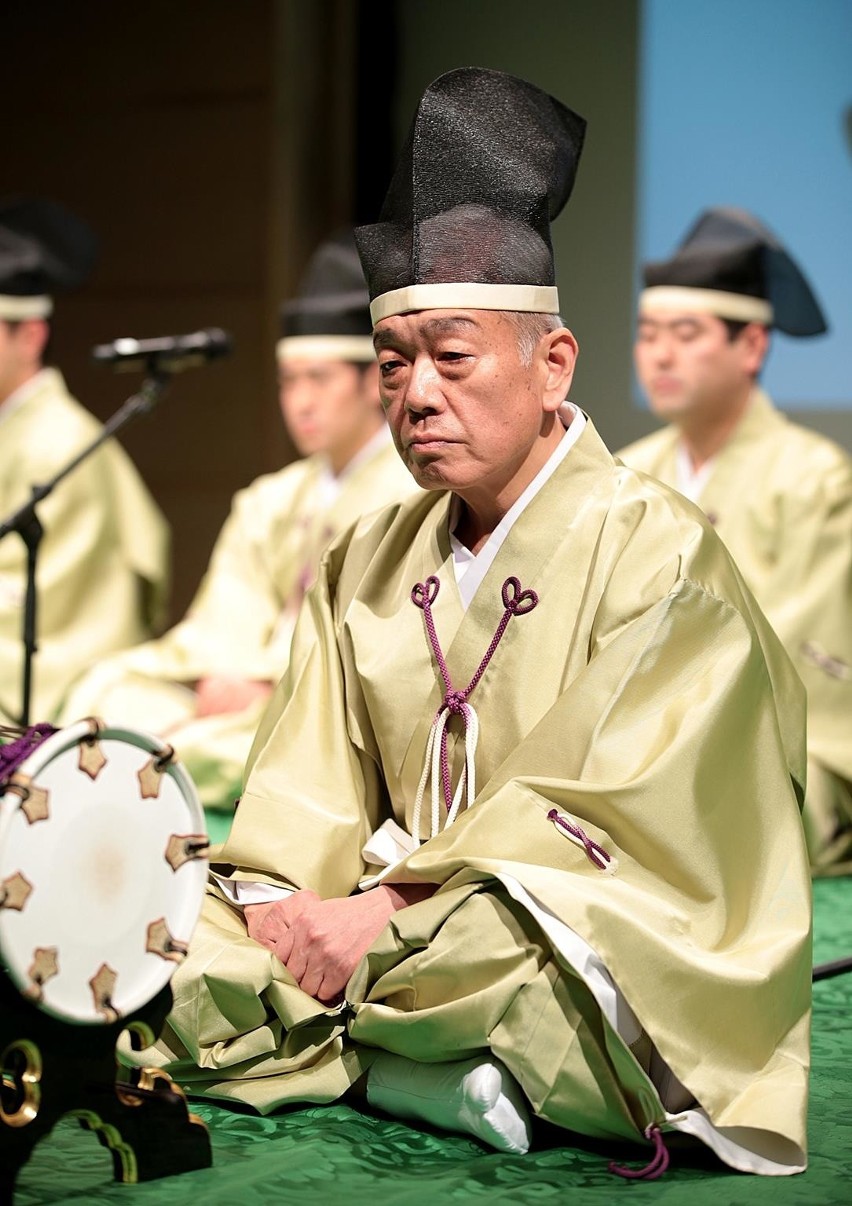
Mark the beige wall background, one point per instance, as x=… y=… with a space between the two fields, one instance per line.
x=212 y=144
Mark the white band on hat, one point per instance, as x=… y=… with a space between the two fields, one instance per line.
x=16 y=309
x=466 y=295
x=737 y=306
x=326 y=347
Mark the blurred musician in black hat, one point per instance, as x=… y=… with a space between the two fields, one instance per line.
x=778 y=494
x=205 y=683
x=103 y=561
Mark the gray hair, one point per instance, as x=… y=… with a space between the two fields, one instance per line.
x=529 y=329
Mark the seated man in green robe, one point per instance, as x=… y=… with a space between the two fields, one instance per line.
x=779 y=495
x=103 y=562
x=520 y=834
x=204 y=684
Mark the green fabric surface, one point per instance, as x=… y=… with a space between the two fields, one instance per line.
x=320 y=1154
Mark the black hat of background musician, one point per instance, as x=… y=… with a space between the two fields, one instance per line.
x=330 y=316
x=44 y=249
x=489 y=162
x=732 y=266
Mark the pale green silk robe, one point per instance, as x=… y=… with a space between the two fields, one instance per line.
x=780 y=497
x=103 y=560
x=241 y=621
x=646 y=698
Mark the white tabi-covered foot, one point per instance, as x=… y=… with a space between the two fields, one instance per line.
x=476 y=1096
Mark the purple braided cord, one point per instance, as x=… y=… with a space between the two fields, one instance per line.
x=19 y=749
x=657 y=1165
x=596 y=853
x=516 y=602
x=423 y=595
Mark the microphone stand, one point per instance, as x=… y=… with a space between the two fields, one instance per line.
x=837 y=967
x=26 y=523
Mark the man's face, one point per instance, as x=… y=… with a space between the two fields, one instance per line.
x=14 y=360
x=463 y=409
x=689 y=367
x=329 y=406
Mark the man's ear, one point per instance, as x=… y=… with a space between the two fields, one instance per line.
x=33 y=334
x=557 y=352
x=754 y=340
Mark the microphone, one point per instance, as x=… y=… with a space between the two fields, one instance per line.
x=168 y=353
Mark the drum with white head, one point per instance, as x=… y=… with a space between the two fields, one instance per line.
x=102 y=871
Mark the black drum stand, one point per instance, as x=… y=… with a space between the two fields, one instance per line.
x=53 y=1069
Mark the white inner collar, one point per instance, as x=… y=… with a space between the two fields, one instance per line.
x=331 y=485
x=23 y=393
x=691 y=481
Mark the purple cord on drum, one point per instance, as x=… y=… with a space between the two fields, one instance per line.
x=20 y=748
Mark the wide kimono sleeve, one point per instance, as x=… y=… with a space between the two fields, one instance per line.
x=312 y=794
x=229 y=625
x=807 y=598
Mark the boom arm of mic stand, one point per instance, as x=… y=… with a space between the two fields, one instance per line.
x=26 y=523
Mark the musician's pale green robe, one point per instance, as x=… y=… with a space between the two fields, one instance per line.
x=646 y=698
x=103 y=560
x=240 y=623
x=780 y=497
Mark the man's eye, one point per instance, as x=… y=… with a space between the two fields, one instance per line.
x=389 y=366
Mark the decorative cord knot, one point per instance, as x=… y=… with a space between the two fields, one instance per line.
x=656 y=1166
x=601 y=858
x=424 y=594
x=455 y=702
x=516 y=602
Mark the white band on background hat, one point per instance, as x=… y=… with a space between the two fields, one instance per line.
x=16 y=309
x=470 y=295
x=736 y=306
x=326 y=347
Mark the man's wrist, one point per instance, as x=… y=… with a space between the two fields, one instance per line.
x=403 y=895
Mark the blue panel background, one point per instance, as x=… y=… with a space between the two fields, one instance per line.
x=744 y=102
